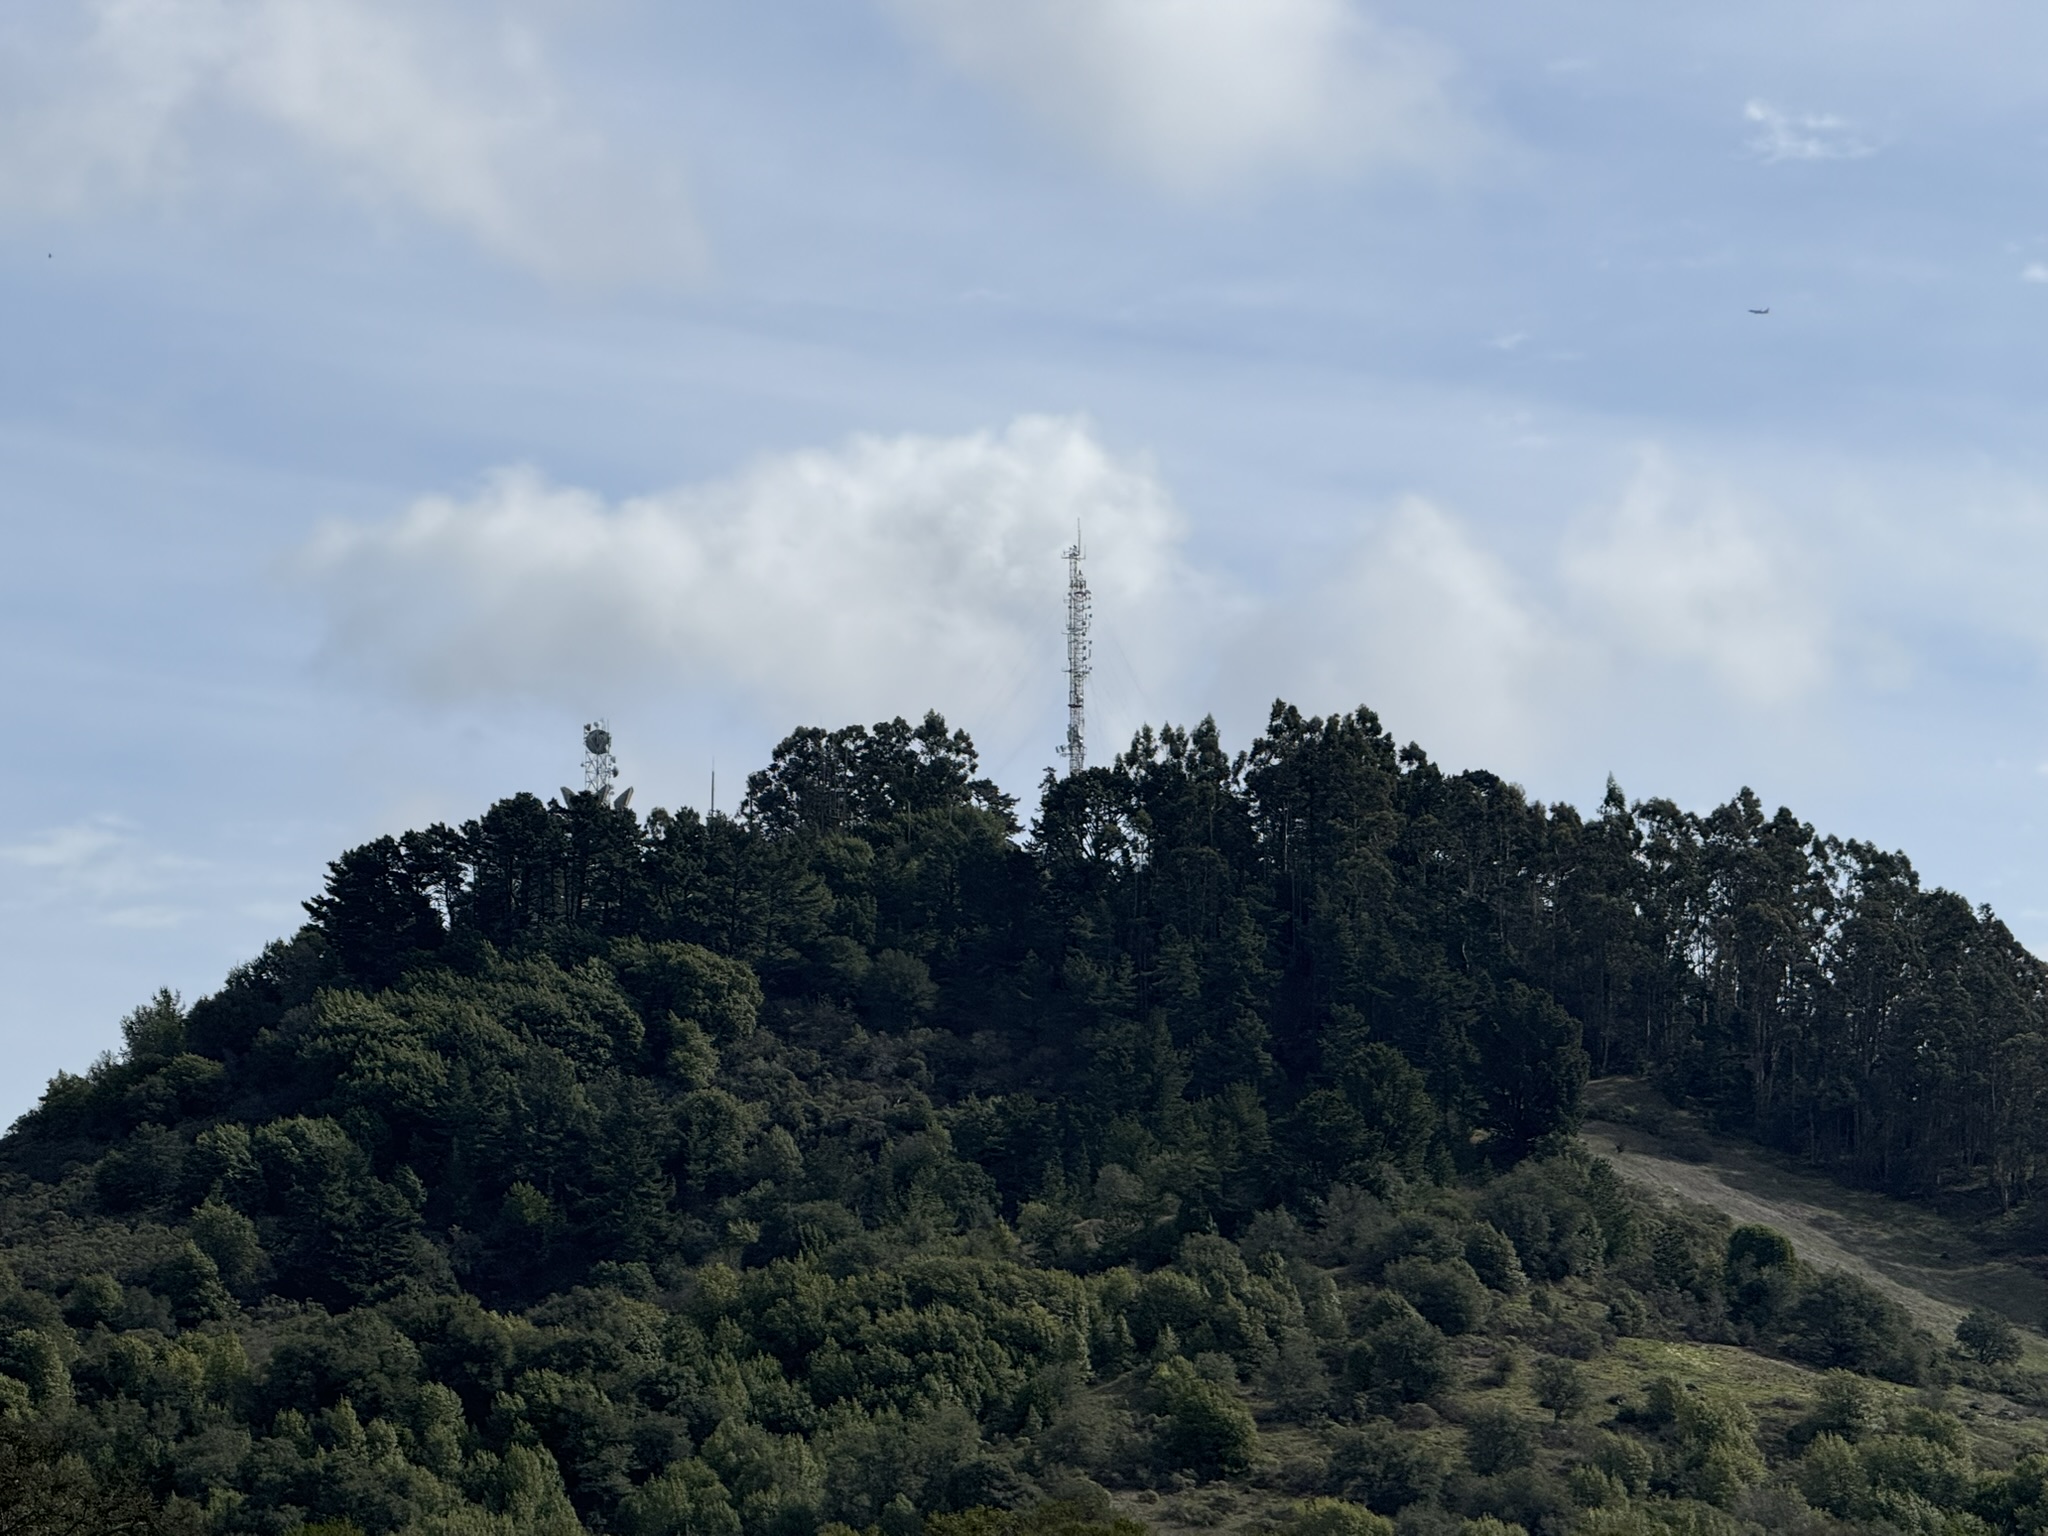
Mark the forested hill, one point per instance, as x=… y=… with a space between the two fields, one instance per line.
x=827 y=1160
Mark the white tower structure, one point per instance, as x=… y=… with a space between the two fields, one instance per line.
x=600 y=768
x=1079 y=653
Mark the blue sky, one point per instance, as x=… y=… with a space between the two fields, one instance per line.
x=389 y=388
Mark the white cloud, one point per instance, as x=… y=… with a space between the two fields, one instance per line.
x=2034 y=272
x=890 y=574
x=1804 y=135
x=410 y=105
x=881 y=577
x=1429 y=628
x=1697 y=584
x=1672 y=593
x=1198 y=95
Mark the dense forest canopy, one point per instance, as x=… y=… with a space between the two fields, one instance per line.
x=867 y=1156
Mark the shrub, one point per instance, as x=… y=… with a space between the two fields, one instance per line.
x=1206 y=1428
x=1561 y=1386
x=1055 y=1517
x=1447 y=1293
x=1526 y=1498
x=2012 y=1501
x=1295 y=1379
x=93 y=1298
x=1627 y=1313
x=1842 y=1405
x=1760 y=1275
x=1831 y=1475
x=1839 y=1320
x=1498 y=1441
x=1334 y=1517
x=1909 y=1464
x=1987 y=1337
x=228 y=1238
x=692 y=983
x=1493 y=1260
x=1401 y=1359
x=1592 y=1488
x=190 y=1282
x=1381 y=1467
x=1715 y=1442
x=1551 y=1224
x=1627 y=1461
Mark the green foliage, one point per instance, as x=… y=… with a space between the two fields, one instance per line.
x=1561 y=1386
x=1054 y=1517
x=1399 y=1357
x=690 y=984
x=1761 y=1275
x=1831 y=1475
x=229 y=1239
x=1544 y=1211
x=1988 y=1338
x=1711 y=1437
x=1384 y=1469
x=1334 y=1517
x=1493 y=1258
x=1206 y=1427
x=46 y=1489
x=868 y=1162
x=1497 y=1440
x=1840 y=1320
x=1843 y=1406
x=1447 y=1294
x=687 y=1500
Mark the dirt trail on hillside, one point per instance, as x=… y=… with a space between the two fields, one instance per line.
x=1929 y=1264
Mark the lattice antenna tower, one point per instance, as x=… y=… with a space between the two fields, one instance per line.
x=1080 y=651
x=600 y=768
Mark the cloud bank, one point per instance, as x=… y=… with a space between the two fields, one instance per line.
x=890 y=574
x=422 y=107
x=879 y=577
x=1681 y=573
x=1200 y=95
x=1427 y=626
x=1670 y=593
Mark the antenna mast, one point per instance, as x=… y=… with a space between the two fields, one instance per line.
x=1079 y=653
x=600 y=768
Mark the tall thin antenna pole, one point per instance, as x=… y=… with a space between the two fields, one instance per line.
x=1079 y=653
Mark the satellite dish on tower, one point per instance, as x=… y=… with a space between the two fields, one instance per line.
x=597 y=741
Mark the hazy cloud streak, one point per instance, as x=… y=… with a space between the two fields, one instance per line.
x=1785 y=135
x=1201 y=95
x=102 y=866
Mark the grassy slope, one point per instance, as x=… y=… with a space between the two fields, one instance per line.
x=1931 y=1265
x=1928 y=1263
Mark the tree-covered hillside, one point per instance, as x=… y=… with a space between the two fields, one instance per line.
x=867 y=1157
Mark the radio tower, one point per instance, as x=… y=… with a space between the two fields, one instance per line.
x=1079 y=653
x=600 y=768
